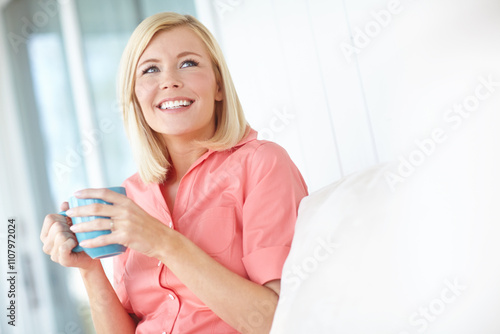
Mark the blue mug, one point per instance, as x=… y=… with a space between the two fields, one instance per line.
x=97 y=252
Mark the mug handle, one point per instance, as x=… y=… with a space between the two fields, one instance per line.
x=77 y=248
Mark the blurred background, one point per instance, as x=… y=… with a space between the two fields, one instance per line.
x=342 y=85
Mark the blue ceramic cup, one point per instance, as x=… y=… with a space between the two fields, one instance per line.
x=97 y=252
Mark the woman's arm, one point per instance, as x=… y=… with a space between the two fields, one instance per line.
x=246 y=306
x=108 y=313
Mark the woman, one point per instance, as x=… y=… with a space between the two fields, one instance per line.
x=208 y=219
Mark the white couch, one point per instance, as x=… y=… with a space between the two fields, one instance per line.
x=420 y=258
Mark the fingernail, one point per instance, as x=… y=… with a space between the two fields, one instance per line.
x=69 y=212
x=74 y=228
x=77 y=193
x=84 y=243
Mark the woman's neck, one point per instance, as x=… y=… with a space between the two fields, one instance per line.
x=182 y=154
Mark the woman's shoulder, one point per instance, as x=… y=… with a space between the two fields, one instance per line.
x=268 y=161
x=262 y=156
x=264 y=149
x=133 y=179
x=259 y=148
x=135 y=183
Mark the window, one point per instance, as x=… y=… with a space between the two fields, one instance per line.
x=64 y=58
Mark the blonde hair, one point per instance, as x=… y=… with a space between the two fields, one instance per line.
x=149 y=150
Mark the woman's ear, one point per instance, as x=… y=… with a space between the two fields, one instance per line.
x=219 y=95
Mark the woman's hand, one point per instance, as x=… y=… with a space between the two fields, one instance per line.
x=130 y=225
x=58 y=241
x=108 y=313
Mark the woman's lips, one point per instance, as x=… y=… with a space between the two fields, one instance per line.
x=175 y=105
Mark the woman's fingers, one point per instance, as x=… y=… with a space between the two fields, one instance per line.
x=98 y=224
x=64 y=206
x=49 y=239
x=53 y=236
x=59 y=239
x=102 y=240
x=68 y=244
x=59 y=245
x=51 y=219
x=95 y=209
x=65 y=257
x=48 y=222
x=101 y=193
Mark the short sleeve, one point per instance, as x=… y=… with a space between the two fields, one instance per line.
x=118 y=284
x=274 y=189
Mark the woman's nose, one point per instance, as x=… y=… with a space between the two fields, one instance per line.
x=169 y=79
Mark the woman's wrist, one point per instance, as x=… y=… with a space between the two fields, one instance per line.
x=91 y=269
x=169 y=246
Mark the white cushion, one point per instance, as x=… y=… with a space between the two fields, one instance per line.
x=422 y=256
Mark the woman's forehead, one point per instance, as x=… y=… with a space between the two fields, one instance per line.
x=174 y=41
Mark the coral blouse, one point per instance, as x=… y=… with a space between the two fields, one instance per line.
x=239 y=206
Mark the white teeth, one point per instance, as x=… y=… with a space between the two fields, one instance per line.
x=175 y=104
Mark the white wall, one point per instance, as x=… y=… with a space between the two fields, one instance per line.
x=350 y=111
x=284 y=59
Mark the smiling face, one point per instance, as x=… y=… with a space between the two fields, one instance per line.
x=175 y=86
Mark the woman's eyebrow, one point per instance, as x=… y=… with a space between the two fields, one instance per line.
x=180 y=55
x=150 y=60
x=187 y=53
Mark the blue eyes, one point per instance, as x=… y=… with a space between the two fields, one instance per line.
x=189 y=63
x=184 y=64
x=151 y=69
